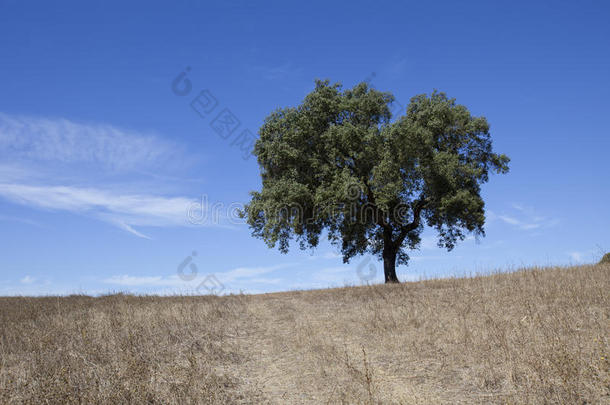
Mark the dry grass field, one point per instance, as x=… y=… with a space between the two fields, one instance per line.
x=533 y=336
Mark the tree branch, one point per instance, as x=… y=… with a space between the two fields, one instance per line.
x=418 y=207
x=380 y=219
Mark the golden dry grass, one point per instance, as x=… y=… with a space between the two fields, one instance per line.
x=533 y=336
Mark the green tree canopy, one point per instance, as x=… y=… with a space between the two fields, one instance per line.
x=337 y=162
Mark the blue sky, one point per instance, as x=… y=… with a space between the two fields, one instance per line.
x=101 y=161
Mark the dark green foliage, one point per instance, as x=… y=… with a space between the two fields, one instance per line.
x=605 y=259
x=337 y=162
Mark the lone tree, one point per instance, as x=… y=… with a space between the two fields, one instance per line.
x=337 y=163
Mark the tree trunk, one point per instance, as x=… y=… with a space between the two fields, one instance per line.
x=389 y=264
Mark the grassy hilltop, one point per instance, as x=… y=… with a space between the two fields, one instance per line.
x=533 y=336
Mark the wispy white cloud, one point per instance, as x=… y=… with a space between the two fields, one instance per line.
x=61 y=140
x=263 y=280
x=235 y=280
x=57 y=164
x=576 y=256
x=143 y=281
x=126 y=227
x=428 y=243
x=518 y=223
x=18 y=219
x=583 y=256
x=34 y=286
x=245 y=273
x=121 y=209
x=324 y=277
x=278 y=72
x=14 y=172
x=524 y=218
